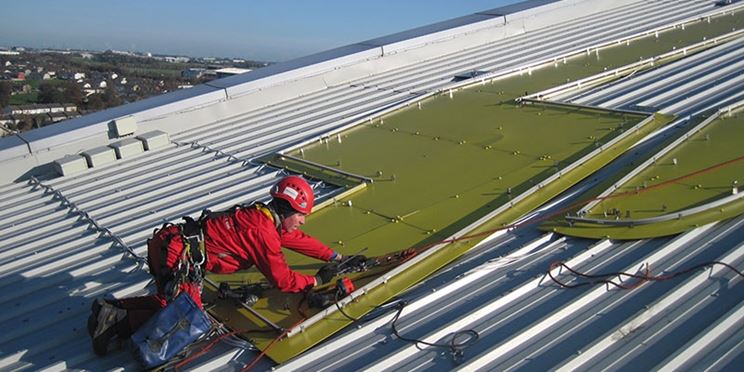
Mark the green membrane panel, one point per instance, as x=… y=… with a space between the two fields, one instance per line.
x=641 y=198
x=438 y=169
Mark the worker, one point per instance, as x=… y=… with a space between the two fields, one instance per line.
x=233 y=240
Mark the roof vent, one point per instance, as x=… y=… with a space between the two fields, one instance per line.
x=70 y=164
x=127 y=147
x=99 y=156
x=154 y=139
x=124 y=126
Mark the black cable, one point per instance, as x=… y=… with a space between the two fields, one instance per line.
x=456 y=348
x=602 y=278
x=353 y=319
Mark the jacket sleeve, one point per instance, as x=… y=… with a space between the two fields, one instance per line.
x=305 y=244
x=269 y=259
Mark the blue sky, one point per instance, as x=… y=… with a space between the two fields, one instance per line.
x=269 y=30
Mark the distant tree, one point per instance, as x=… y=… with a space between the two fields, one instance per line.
x=41 y=120
x=25 y=123
x=94 y=102
x=73 y=93
x=110 y=98
x=50 y=93
x=5 y=89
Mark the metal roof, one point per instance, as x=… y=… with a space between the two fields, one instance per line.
x=708 y=80
x=65 y=239
x=525 y=321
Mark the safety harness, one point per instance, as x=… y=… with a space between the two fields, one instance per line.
x=190 y=267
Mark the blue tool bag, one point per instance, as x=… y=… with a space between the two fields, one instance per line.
x=169 y=331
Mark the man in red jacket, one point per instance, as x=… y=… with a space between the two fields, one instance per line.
x=233 y=240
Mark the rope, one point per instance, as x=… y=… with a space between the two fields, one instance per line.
x=580 y=203
x=641 y=278
x=273 y=342
x=214 y=342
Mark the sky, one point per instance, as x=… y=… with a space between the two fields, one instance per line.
x=261 y=30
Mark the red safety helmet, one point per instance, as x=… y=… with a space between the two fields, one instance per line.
x=296 y=191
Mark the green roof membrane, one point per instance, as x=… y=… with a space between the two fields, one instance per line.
x=435 y=168
x=650 y=194
x=440 y=168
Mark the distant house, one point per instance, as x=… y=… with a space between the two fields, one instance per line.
x=192 y=73
x=40 y=109
x=114 y=76
x=230 y=71
x=78 y=76
x=102 y=84
x=177 y=59
x=21 y=76
x=123 y=81
x=5 y=121
x=86 y=55
x=59 y=116
x=21 y=89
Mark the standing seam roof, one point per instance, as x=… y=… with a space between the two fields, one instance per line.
x=54 y=259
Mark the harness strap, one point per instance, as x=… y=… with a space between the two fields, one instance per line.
x=189 y=266
x=269 y=212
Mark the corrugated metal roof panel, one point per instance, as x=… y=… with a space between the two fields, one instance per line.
x=526 y=321
x=66 y=239
x=709 y=79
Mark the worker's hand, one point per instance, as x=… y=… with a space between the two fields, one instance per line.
x=355 y=260
x=326 y=273
x=318 y=301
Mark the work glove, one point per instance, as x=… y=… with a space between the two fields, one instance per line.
x=326 y=273
x=351 y=264
x=355 y=261
x=318 y=301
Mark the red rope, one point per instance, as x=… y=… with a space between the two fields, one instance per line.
x=266 y=350
x=214 y=342
x=583 y=202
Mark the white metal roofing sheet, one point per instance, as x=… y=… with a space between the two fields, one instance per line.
x=54 y=259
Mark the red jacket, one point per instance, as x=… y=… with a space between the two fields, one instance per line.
x=237 y=241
